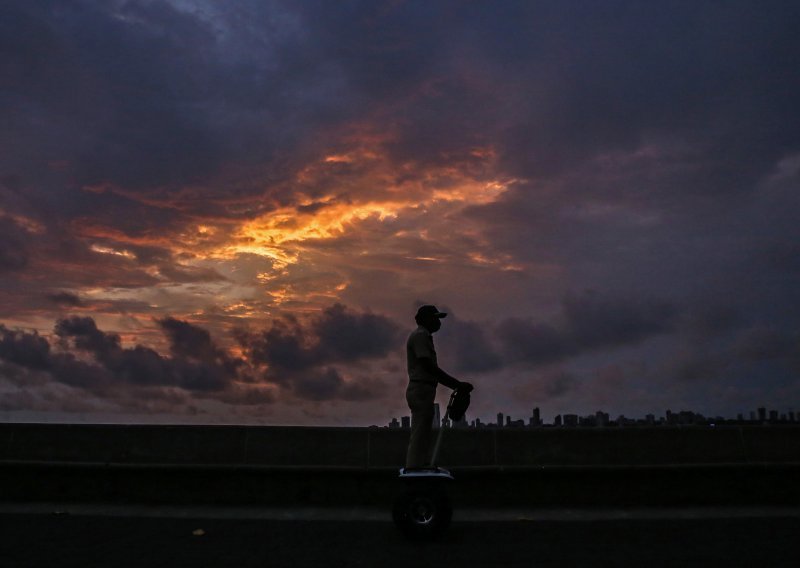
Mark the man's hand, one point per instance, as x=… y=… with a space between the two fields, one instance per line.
x=465 y=386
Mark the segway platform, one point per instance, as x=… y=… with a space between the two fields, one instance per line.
x=427 y=473
x=423 y=509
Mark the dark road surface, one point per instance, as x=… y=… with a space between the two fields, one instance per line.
x=94 y=540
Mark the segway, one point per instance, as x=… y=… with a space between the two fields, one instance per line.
x=423 y=509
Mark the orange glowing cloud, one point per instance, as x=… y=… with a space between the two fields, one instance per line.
x=371 y=189
x=307 y=237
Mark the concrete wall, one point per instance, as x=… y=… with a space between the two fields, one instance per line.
x=358 y=466
x=385 y=448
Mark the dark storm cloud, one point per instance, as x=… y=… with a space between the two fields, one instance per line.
x=24 y=349
x=742 y=355
x=626 y=70
x=148 y=96
x=552 y=85
x=197 y=363
x=300 y=356
x=197 y=366
x=654 y=145
x=173 y=95
x=193 y=367
x=65 y=299
x=326 y=383
x=471 y=347
x=187 y=340
x=32 y=352
x=282 y=346
x=194 y=343
x=101 y=72
x=594 y=321
x=22 y=377
x=589 y=322
x=337 y=335
x=322 y=384
x=533 y=343
x=344 y=335
x=548 y=385
x=86 y=336
x=158 y=94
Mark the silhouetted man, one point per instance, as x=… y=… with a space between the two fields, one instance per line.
x=423 y=376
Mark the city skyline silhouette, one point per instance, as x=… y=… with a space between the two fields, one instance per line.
x=199 y=224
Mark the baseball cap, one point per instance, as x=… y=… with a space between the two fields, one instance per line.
x=425 y=311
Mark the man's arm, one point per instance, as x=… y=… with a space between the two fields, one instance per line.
x=442 y=377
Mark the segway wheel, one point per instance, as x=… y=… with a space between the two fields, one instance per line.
x=422 y=514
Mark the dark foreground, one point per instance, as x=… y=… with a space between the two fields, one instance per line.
x=86 y=540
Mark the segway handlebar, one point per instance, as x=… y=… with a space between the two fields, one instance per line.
x=456 y=408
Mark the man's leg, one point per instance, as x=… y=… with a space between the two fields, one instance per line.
x=420 y=400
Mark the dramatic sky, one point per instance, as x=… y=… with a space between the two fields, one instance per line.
x=228 y=212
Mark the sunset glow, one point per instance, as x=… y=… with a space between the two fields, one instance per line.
x=232 y=214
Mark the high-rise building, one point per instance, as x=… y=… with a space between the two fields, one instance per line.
x=460 y=423
x=602 y=419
